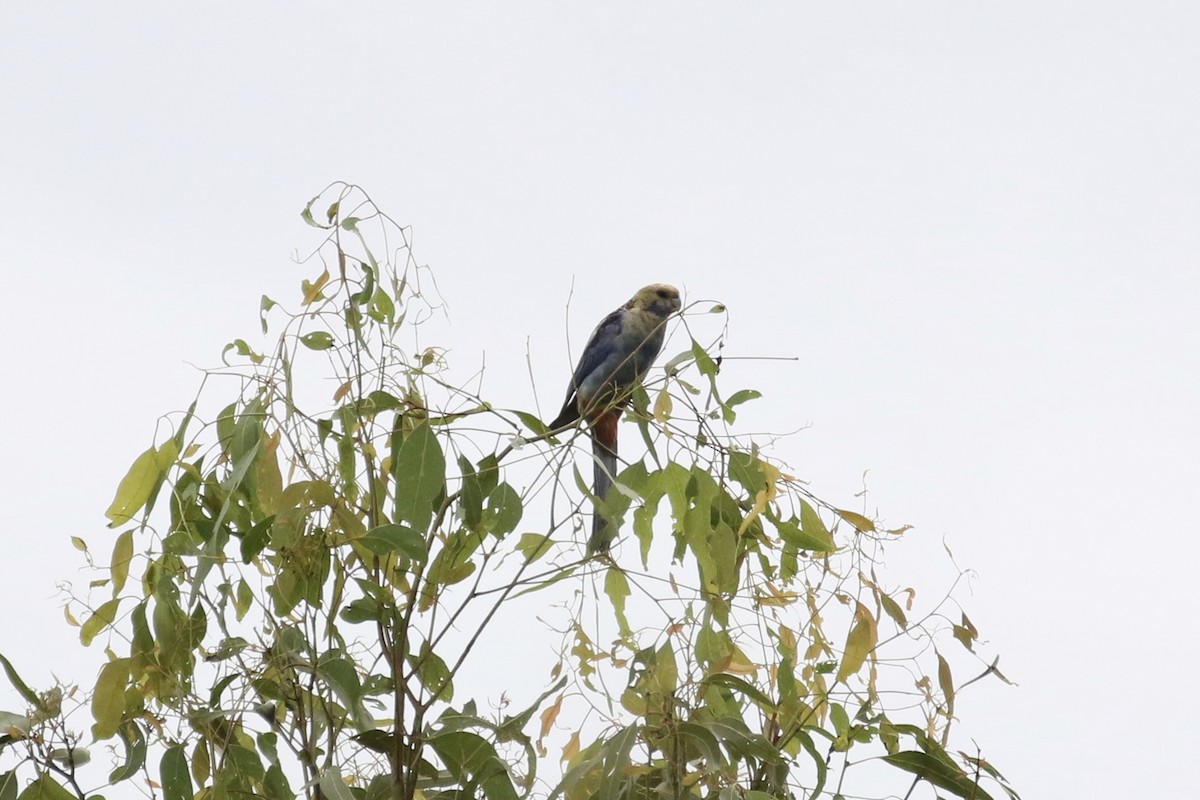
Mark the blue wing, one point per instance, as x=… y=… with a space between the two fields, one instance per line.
x=594 y=366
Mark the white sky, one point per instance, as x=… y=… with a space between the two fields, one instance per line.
x=975 y=225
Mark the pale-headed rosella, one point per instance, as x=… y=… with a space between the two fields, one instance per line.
x=616 y=359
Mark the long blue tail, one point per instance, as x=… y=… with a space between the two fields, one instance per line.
x=604 y=468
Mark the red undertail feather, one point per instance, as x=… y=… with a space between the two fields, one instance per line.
x=604 y=452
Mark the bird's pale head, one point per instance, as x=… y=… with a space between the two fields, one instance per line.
x=659 y=299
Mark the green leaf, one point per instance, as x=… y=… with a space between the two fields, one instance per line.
x=795 y=536
x=489 y=473
x=108 y=698
x=742 y=742
x=255 y=540
x=534 y=545
x=333 y=785
x=616 y=586
x=742 y=686
x=453 y=562
x=746 y=470
x=122 y=555
x=136 y=487
x=134 y=739
x=363 y=609
x=433 y=673
x=243 y=350
x=671 y=367
x=470 y=495
x=244 y=763
x=265 y=305
x=101 y=619
x=420 y=472
x=226 y=649
x=242 y=599
x=512 y=727
x=377 y=741
x=387 y=539
x=471 y=759
x=937 y=773
x=704 y=362
x=43 y=787
x=742 y=396
x=379 y=401
x=382 y=309
x=503 y=510
x=317 y=340
x=276 y=786
x=814 y=528
x=306 y=213
x=8 y=785
x=700 y=740
x=173 y=769
x=29 y=695
x=533 y=423
x=616 y=754
x=341 y=676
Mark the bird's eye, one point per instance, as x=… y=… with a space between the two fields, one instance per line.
x=663 y=294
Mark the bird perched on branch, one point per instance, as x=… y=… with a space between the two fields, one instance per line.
x=616 y=358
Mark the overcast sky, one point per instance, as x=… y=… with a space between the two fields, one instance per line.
x=974 y=225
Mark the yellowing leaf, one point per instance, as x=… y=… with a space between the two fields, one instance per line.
x=859 y=643
x=549 y=715
x=769 y=475
x=134 y=489
x=571 y=748
x=201 y=765
x=893 y=610
x=774 y=597
x=664 y=674
x=268 y=482
x=966 y=633
x=108 y=700
x=946 y=683
x=734 y=662
x=312 y=291
x=860 y=523
x=122 y=555
x=663 y=406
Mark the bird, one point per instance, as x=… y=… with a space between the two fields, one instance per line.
x=617 y=357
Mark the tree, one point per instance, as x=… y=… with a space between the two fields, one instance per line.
x=306 y=560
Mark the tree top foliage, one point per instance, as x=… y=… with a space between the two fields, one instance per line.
x=314 y=562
